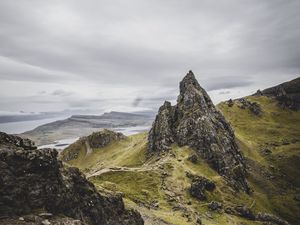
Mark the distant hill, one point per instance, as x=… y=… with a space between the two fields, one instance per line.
x=81 y=125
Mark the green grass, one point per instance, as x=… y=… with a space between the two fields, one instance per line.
x=129 y=153
x=143 y=181
x=137 y=186
x=275 y=124
x=269 y=130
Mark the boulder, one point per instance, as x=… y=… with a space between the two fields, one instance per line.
x=199 y=185
x=230 y=103
x=193 y=158
x=215 y=205
x=245 y=212
x=253 y=107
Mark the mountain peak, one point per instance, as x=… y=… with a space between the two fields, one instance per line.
x=195 y=122
x=189 y=81
x=192 y=94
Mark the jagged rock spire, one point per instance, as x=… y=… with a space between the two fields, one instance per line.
x=195 y=122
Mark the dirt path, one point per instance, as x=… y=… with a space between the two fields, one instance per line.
x=113 y=169
x=145 y=167
x=89 y=150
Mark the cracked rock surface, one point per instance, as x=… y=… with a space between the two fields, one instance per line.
x=194 y=121
x=33 y=179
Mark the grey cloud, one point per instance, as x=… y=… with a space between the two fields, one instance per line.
x=60 y=92
x=137 y=101
x=226 y=82
x=228 y=44
x=224 y=92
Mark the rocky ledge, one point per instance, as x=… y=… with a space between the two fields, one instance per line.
x=195 y=122
x=287 y=94
x=7 y=140
x=244 y=103
x=33 y=180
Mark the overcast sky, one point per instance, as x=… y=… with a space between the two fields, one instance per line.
x=131 y=55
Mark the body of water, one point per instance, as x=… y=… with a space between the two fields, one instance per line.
x=132 y=130
x=60 y=144
x=22 y=126
x=63 y=143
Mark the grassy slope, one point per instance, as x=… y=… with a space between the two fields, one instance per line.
x=162 y=181
x=146 y=187
x=129 y=153
x=270 y=131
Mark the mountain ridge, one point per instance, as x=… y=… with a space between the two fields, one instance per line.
x=82 y=125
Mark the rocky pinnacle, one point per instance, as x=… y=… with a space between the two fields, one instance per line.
x=194 y=121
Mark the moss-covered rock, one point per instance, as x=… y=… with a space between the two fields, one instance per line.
x=195 y=122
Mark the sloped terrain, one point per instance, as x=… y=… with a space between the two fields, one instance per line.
x=179 y=186
x=270 y=141
x=36 y=186
x=81 y=125
x=159 y=187
x=194 y=121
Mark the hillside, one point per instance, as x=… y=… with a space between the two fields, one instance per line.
x=180 y=186
x=36 y=188
x=80 y=125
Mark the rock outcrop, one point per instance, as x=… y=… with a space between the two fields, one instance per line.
x=214 y=205
x=103 y=138
x=33 y=179
x=253 y=107
x=266 y=217
x=245 y=212
x=288 y=94
x=195 y=122
x=199 y=186
x=95 y=140
x=7 y=140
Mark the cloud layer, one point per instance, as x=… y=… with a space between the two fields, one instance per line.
x=99 y=54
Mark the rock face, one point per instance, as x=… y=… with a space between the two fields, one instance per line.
x=11 y=140
x=32 y=179
x=95 y=140
x=195 y=122
x=288 y=94
x=103 y=138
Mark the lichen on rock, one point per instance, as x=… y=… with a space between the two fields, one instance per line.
x=32 y=179
x=194 y=121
